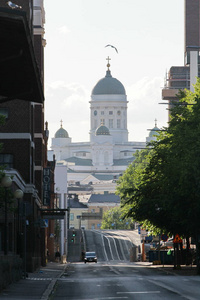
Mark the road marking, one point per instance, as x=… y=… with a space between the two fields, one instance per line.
x=109 y=298
x=147 y=292
x=114 y=271
x=36 y=278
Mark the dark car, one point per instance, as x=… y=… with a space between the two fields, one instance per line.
x=90 y=257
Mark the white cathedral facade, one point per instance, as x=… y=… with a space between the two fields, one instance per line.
x=108 y=153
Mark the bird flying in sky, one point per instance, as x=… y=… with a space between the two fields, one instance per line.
x=13 y=5
x=112 y=47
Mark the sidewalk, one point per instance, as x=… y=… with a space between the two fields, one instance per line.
x=184 y=270
x=38 y=285
x=169 y=269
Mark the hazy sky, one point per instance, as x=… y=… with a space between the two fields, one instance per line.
x=149 y=36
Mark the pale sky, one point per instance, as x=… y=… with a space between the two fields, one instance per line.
x=149 y=36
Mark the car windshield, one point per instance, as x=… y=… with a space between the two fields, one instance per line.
x=90 y=254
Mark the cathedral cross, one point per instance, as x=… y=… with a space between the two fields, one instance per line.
x=108 y=64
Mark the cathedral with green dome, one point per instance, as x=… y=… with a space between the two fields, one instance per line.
x=108 y=152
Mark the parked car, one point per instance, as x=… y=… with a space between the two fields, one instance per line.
x=90 y=257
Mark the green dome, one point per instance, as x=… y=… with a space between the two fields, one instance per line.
x=61 y=133
x=154 y=131
x=102 y=130
x=108 y=86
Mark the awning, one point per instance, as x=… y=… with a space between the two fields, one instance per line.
x=53 y=214
x=19 y=73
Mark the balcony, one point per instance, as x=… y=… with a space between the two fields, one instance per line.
x=178 y=78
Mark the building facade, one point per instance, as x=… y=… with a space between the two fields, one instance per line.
x=181 y=77
x=23 y=135
x=108 y=153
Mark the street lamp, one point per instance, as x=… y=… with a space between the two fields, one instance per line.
x=18 y=194
x=6 y=182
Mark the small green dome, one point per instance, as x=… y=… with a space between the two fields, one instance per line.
x=102 y=130
x=154 y=131
x=61 y=133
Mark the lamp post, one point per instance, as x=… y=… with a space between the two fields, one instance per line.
x=6 y=182
x=18 y=194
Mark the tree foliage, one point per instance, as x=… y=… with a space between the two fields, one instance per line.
x=162 y=186
x=114 y=219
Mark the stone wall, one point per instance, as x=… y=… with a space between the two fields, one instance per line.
x=10 y=270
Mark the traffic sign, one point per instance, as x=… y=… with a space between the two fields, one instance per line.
x=177 y=239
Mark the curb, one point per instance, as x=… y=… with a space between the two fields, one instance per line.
x=47 y=293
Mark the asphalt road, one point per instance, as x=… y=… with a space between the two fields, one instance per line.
x=115 y=277
x=105 y=281
x=112 y=245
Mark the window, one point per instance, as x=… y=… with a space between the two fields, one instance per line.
x=102 y=121
x=118 y=123
x=6 y=160
x=110 y=112
x=71 y=217
x=81 y=154
x=4 y=112
x=92 y=210
x=110 y=123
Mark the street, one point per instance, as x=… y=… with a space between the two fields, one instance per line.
x=112 y=277
x=115 y=277
x=125 y=280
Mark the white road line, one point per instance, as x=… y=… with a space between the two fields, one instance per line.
x=147 y=292
x=122 y=250
x=110 y=247
x=115 y=246
x=109 y=298
x=165 y=286
x=102 y=242
x=104 y=235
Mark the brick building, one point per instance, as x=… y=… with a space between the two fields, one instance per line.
x=23 y=135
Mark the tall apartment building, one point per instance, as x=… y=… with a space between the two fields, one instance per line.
x=23 y=135
x=181 y=77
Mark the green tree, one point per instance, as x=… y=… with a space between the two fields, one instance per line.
x=166 y=192
x=114 y=219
